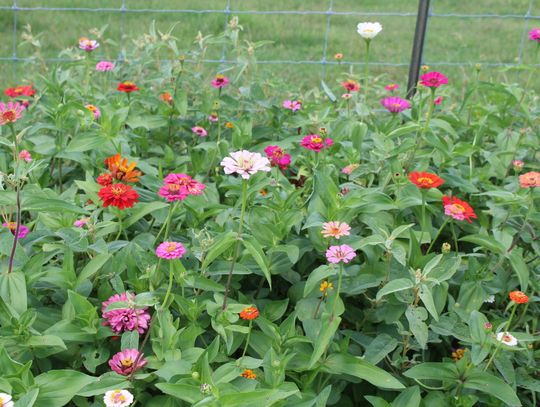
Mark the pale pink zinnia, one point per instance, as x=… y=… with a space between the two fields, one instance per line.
x=534 y=35
x=87 y=44
x=315 y=142
x=124 y=362
x=213 y=117
x=199 y=131
x=277 y=157
x=335 y=229
x=128 y=318
x=25 y=155
x=170 y=250
x=292 y=105
x=10 y=112
x=104 y=66
x=12 y=226
x=245 y=163
x=433 y=79
x=220 y=81
x=350 y=168
x=118 y=398
x=344 y=253
x=395 y=104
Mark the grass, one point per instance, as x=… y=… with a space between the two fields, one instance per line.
x=295 y=37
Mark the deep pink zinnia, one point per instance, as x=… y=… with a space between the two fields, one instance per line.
x=277 y=157
x=395 y=104
x=129 y=318
x=220 y=81
x=177 y=187
x=170 y=250
x=534 y=35
x=124 y=362
x=343 y=253
x=292 y=105
x=433 y=79
x=12 y=226
x=315 y=142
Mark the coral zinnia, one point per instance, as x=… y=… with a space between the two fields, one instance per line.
x=249 y=313
x=425 y=179
x=335 y=229
x=343 y=253
x=121 y=170
x=518 y=297
x=124 y=362
x=129 y=318
x=120 y=195
x=458 y=209
x=248 y=374
x=530 y=180
x=170 y=250
x=17 y=91
x=127 y=87
x=350 y=85
x=10 y=113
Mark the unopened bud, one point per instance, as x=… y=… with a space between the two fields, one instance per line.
x=446 y=248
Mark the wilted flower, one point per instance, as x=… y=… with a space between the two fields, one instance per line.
x=10 y=112
x=293 y=105
x=87 y=44
x=245 y=163
x=170 y=250
x=433 y=79
x=127 y=87
x=118 y=398
x=18 y=91
x=220 y=81
x=325 y=286
x=124 y=362
x=438 y=100
x=12 y=226
x=79 y=223
x=249 y=313
x=277 y=157
x=120 y=195
x=425 y=180
x=178 y=187
x=369 y=31
x=128 y=318
x=395 y=104
x=351 y=85
x=104 y=66
x=530 y=180
x=249 y=374
x=338 y=56
x=95 y=110
x=343 y=253
x=335 y=229
x=534 y=35
x=507 y=338
x=200 y=131
x=6 y=400
x=518 y=297
x=315 y=142
x=25 y=155
x=349 y=168
x=458 y=354
x=458 y=209
x=392 y=87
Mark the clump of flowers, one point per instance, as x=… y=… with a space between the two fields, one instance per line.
x=351 y=85
x=395 y=104
x=104 y=66
x=10 y=112
x=337 y=254
x=277 y=157
x=177 y=187
x=507 y=338
x=25 y=155
x=530 y=180
x=200 y=131
x=433 y=79
x=458 y=209
x=118 y=398
x=425 y=180
x=534 y=35
x=349 y=168
x=128 y=318
x=368 y=31
x=6 y=400
x=315 y=142
x=249 y=313
x=249 y=374
x=170 y=250
x=245 y=163
x=12 y=226
x=127 y=362
x=95 y=111
x=87 y=44
x=292 y=105
x=519 y=297
x=18 y=91
x=127 y=87
x=220 y=81
x=335 y=229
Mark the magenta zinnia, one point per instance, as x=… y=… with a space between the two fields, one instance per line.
x=12 y=226
x=10 y=112
x=277 y=157
x=534 y=35
x=343 y=253
x=170 y=250
x=315 y=142
x=128 y=318
x=395 y=104
x=433 y=79
x=124 y=362
x=178 y=187
x=292 y=105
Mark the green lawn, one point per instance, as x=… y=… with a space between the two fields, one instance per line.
x=296 y=37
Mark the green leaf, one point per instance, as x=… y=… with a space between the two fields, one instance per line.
x=489 y=384
x=41 y=204
x=147 y=122
x=328 y=92
x=141 y=210
x=85 y=142
x=222 y=243
x=186 y=392
x=92 y=267
x=379 y=347
x=328 y=329
x=256 y=251
x=427 y=299
x=416 y=316
x=104 y=383
x=486 y=242
x=316 y=276
x=28 y=399
x=394 y=286
x=520 y=267
x=432 y=264
x=408 y=128
x=13 y=290
x=433 y=371
x=58 y=387
x=409 y=397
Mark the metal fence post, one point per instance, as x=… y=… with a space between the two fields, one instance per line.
x=418 y=46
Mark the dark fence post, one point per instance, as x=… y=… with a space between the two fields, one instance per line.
x=418 y=46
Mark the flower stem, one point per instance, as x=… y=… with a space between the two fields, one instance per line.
x=18 y=199
x=336 y=298
x=237 y=243
x=500 y=342
x=420 y=135
x=366 y=66
x=437 y=235
x=455 y=237
x=247 y=339
x=169 y=287
x=423 y=221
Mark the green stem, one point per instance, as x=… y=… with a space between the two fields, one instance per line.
x=237 y=243
x=338 y=291
x=420 y=135
x=423 y=221
x=455 y=237
x=437 y=235
x=500 y=342
x=166 y=225
x=169 y=287
x=366 y=66
x=18 y=199
x=247 y=339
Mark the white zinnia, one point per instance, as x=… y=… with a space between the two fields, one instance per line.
x=5 y=400
x=118 y=398
x=507 y=338
x=245 y=163
x=369 y=30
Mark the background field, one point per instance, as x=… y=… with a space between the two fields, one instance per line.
x=457 y=41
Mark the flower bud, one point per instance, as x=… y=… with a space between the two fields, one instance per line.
x=195 y=375
x=446 y=248
x=518 y=165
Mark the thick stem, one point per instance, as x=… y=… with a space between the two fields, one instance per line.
x=437 y=235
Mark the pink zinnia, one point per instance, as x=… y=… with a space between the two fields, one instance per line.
x=534 y=35
x=344 y=253
x=293 y=105
x=87 y=44
x=200 y=131
x=245 y=163
x=95 y=111
x=10 y=112
x=79 y=223
x=124 y=362
x=104 y=66
x=213 y=117
x=129 y=318
x=350 y=168
x=335 y=229
x=433 y=79
x=220 y=81
x=530 y=180
x=25 y=155
x=458 y=209
x=438 y=100
x=395 y=104
x=346 y=96
x=277 y=157
x=170 y=250
x=351 y=86
x=315 y=142
x=12 y=226
x=178 y=187
x=391 y=87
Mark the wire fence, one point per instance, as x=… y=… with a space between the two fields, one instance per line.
x=324 y=61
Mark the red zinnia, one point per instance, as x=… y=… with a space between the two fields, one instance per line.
x=120 y=195
x=127 y=87
x=458 y=209
x=425 y=179
x=20 y=91
x=249 y=313
x=518 y=297
x=350 y=85
x=105 y=179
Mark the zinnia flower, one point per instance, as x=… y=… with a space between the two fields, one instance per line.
x=344 y=253
x=245 y=163
x=17 y=91
x=507 y=338
x=277 y=157
x=170 y=250
x=346 y=96
x=79 y=223
x=350 y=85
x=6 y=400
x=335 y=229
x=248 y=374
x=129 y=318
x=338 y=56
x=25 y=155
x=315 y=142
x=166 y=97
x=395 y=104
x=293 y=105
x=518 y=297
x=10 y=112
x=118 y=398
x=12 y=226
x=534 y=35
x=104 y=66
x=105 y=179
x=178 y=187
x=87 y=44
x=518 y=165
x=220 y=81
x=213 y=117
x=120 y=195
x=127 y=87
x=249 y=313
x=350 y=168
x=425 y=179
x=229 y=125
x=433 y=79
x=121 y=170
x=368 y=31
x=325 y=286
x=458 y=209
x=124 y=362
x=95 y=110
x=391 y=87
x=200 y=131
x=438 y=100
x=530 y=180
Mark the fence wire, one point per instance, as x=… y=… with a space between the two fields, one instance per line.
x=123 y=10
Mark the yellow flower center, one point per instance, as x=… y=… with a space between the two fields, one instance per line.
x=457 y=209
x=425 y=180
x=126 y=362
x=9 y=116
x=316 y=140
x=171 y=247
x=118 y=396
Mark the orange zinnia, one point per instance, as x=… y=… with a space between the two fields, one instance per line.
x=121 y=169
x=425 y=179
x=248 y=374
x=249 y=313
x=519 y=297
x=120 y=195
